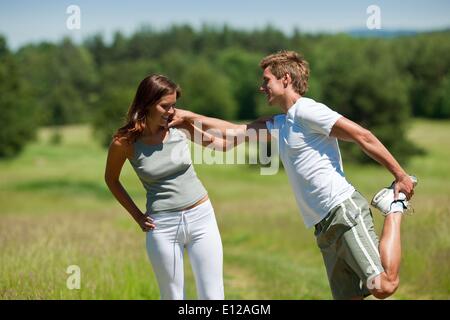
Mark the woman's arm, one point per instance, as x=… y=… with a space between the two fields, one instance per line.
x=117 y=154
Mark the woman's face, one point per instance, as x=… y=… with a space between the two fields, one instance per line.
x=161 y=113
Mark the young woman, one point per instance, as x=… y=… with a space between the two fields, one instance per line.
x=178 y=212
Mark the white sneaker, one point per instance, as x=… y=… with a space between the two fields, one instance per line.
x=384 y=199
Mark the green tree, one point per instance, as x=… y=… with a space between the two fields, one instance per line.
x=98 y=49
x=426 y=62
x=62 y=79
x=17 y=120
x=360 y=80
x=110 y=112
x=207 y=91
x=242 y=68
x=440 y=100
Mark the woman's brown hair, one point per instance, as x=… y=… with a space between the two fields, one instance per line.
x=151 y=90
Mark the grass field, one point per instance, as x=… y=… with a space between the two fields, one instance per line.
x=56 y=211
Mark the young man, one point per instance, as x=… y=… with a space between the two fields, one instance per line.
x=357 y=263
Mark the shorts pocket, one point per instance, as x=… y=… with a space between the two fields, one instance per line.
x=341 y=221
x=350 y=215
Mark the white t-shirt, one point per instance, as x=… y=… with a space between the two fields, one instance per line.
x=312 y=158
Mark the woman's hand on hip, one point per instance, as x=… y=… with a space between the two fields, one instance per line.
x=146 y=223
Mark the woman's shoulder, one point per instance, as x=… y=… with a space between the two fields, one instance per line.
x=121 y=142
x=122 y=145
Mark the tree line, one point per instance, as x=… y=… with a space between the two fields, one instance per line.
x=377 y=82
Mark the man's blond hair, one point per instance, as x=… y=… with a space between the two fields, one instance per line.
x=292 y=63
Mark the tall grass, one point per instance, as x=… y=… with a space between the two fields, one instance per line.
x=56 y=211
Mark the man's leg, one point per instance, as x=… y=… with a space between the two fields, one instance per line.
x=386 y=283
x=390 y=244
x=349 y=249
x=357 y=263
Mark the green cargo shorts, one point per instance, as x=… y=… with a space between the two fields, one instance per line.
x=349 y=246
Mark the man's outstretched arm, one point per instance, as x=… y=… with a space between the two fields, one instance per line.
x=223 y=127
x=207 y=123
x=347 y=130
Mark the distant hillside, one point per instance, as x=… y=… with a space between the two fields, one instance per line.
x=383 y=33
x=366 y=33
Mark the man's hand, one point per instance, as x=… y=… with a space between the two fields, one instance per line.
x=404 y=184
x=179 y=117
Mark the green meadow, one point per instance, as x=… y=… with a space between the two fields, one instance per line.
x=56 y=211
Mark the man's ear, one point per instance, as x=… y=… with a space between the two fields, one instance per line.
x=287 y=80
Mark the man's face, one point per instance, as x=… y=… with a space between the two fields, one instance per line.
x=272 y=87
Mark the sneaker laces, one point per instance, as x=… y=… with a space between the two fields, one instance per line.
x=409 y=210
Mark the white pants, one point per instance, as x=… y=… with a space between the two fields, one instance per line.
x=196 y=230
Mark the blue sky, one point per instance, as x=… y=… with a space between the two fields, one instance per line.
x=23 y=21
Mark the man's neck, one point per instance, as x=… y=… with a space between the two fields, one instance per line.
x=288 y=101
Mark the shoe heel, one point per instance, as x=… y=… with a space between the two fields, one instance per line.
x=379 y=195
